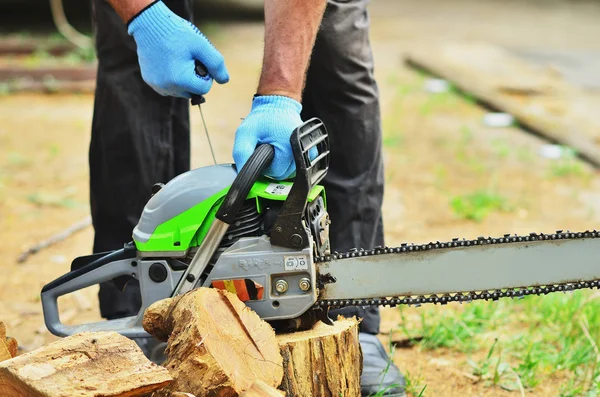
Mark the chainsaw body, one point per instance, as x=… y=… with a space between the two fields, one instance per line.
x=268 y=242
x=219 y=228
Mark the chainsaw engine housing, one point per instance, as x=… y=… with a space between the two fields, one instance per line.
x=219 y=227
x=176 y=219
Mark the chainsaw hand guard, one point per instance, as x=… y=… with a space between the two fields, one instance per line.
x=288 y=230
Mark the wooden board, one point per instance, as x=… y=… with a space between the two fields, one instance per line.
x=538 y=96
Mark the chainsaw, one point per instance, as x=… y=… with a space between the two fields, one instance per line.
x=268 y=242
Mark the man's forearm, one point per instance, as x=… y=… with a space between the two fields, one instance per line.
x=290 y=30
x=127 y=9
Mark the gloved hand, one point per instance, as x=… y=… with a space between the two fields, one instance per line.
x=167 y=47
x=272 y=120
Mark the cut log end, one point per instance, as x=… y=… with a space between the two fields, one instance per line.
x=87 y=364
x=216 y=344
x=261 y=389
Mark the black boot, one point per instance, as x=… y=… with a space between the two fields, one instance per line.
x=379 y=372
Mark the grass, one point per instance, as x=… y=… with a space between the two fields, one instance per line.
x=567 y=165
x=52 y=200
x=519 y=344
x=478 y=205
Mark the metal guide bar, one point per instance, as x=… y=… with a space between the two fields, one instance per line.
x=491 y=294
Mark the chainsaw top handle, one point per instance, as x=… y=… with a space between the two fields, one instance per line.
x=311 y=134
x=247 y=176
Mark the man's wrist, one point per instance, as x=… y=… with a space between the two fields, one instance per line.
x=129 y=9
x=279 y=92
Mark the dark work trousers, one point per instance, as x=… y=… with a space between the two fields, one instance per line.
x=140 y=138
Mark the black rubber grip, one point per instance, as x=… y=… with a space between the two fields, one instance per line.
x=250 y=172
x=128 y=252
x=201 y=71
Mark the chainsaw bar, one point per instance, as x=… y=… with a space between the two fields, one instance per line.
x=462 y=297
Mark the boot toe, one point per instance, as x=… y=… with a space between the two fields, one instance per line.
x=379 y=372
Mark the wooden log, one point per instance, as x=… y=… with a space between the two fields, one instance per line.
x=261 y=389
x=97 y=364
x=8 y=345
x=217 y=346
x=323 y=361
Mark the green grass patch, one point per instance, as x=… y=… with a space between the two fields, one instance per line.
x=17 y=160
x=52 y=200
x=520 y=343
x=449 y=329
x=501 y=148
x=567 y=165
x=478 y=205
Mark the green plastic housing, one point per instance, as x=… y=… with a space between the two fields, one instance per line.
x=188 y=228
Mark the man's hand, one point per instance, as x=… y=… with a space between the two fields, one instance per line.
x=290 y=30
x=167 y=47
x=271 y=120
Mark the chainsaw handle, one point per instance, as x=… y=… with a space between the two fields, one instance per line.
x=247 y=176
x=79 y=279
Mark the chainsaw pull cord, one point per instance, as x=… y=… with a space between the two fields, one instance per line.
x=247 y=176
x=200 y=99
x=260 y=159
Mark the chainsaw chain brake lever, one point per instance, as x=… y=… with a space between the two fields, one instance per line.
x=288 y=229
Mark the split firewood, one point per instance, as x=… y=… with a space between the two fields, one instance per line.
x=8 y=345
x=261 y=389
x=99 y=364
x=323 y=361
x=217 y=346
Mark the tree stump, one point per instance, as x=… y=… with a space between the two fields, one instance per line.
x=100 y=364
x=217 y=346
x=323 y=361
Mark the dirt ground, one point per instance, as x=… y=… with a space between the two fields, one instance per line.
x=436 y=149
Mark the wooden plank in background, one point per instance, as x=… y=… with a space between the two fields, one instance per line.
x=538 y=96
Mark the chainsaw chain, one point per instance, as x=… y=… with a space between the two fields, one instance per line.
x=462 y=297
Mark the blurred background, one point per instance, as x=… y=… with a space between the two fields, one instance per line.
x=491 y=125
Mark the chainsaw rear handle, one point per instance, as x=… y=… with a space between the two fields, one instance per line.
x=115 y=264
x=247 y=176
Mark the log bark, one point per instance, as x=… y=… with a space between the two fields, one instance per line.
x=325 y=361
x=217 y=346
x=8 y=345
x=100 y=364
x=261 y=389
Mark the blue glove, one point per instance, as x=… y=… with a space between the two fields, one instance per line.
x=272 y=120
x=167 y=47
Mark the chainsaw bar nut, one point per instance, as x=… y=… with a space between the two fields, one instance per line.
x=281 y=286
x=304 y=284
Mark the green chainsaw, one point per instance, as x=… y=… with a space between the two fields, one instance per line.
x=268 y=242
